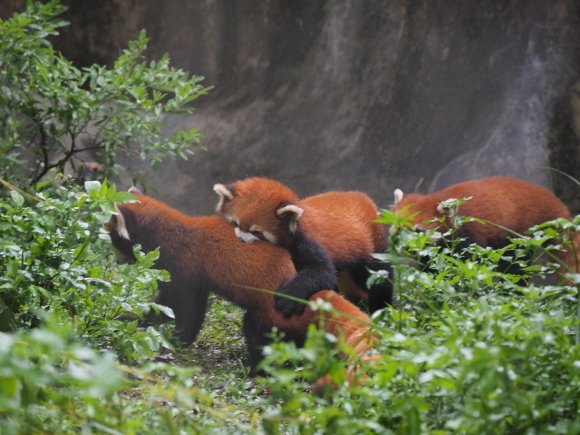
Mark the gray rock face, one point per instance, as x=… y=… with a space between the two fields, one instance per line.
x=373 y=95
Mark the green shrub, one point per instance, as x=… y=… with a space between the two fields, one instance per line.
x=56 y=258
x=49 y=382
x=465 y=349
x=53 y=114
x=54 y=118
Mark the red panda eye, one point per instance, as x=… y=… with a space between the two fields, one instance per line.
x=235 y=224
x=256 y=233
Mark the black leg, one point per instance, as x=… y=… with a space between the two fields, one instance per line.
x=255 y=333
x=381 y=294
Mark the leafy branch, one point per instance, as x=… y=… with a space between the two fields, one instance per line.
x=54 y=115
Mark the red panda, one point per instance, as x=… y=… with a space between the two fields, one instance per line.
x=508 y=202
x=325 y=234
x=203 y=255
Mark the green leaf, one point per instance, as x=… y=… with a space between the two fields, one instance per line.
x=17 y=198
x=165 y=310
x=92 y=186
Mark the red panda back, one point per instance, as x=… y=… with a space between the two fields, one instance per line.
x=343 y=222
x=507 y=202
x=203 y=247
x=202 y=254
x=327 y=233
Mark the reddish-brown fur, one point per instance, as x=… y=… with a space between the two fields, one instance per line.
x=343 y=223
x=511 y=203
x=202 y=254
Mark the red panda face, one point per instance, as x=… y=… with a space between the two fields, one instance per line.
x=421 y=209
x=259 y=209
x=120 y=238
x=120 y=227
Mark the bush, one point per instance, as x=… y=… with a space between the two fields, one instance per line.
x=54 y=116
x=55 y=258
x=49 y=381
x=466 y=349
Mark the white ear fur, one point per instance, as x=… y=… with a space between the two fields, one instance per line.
x=398 y=196
x=134 y=190
x=294 y=212
x=224 y=193
x=120 y=226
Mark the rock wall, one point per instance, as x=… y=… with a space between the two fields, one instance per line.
x=373 y=95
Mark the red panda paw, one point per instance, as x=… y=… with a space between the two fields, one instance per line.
x=285 y=305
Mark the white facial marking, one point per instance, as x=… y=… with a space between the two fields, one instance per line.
x=398 y=196
x=244 y=236
x=122 y=231
x=446 y=210
x=120 y=226
x=270 y=237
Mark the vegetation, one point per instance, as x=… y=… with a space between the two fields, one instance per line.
x=56 y=118
x=465 y=349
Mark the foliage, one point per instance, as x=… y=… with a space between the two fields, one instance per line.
x=465 y=349
x=52 y=384
x=49 y=261
x=65 y=328
x=54 y=116
x=47 y=378
x=468 y=347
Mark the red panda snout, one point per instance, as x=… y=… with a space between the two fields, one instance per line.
x=245 y=236
x=253 y=233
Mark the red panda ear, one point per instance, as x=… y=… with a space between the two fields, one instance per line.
x=134 y=191
x=398 y=196
x=290 y=213
x=226 y=193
